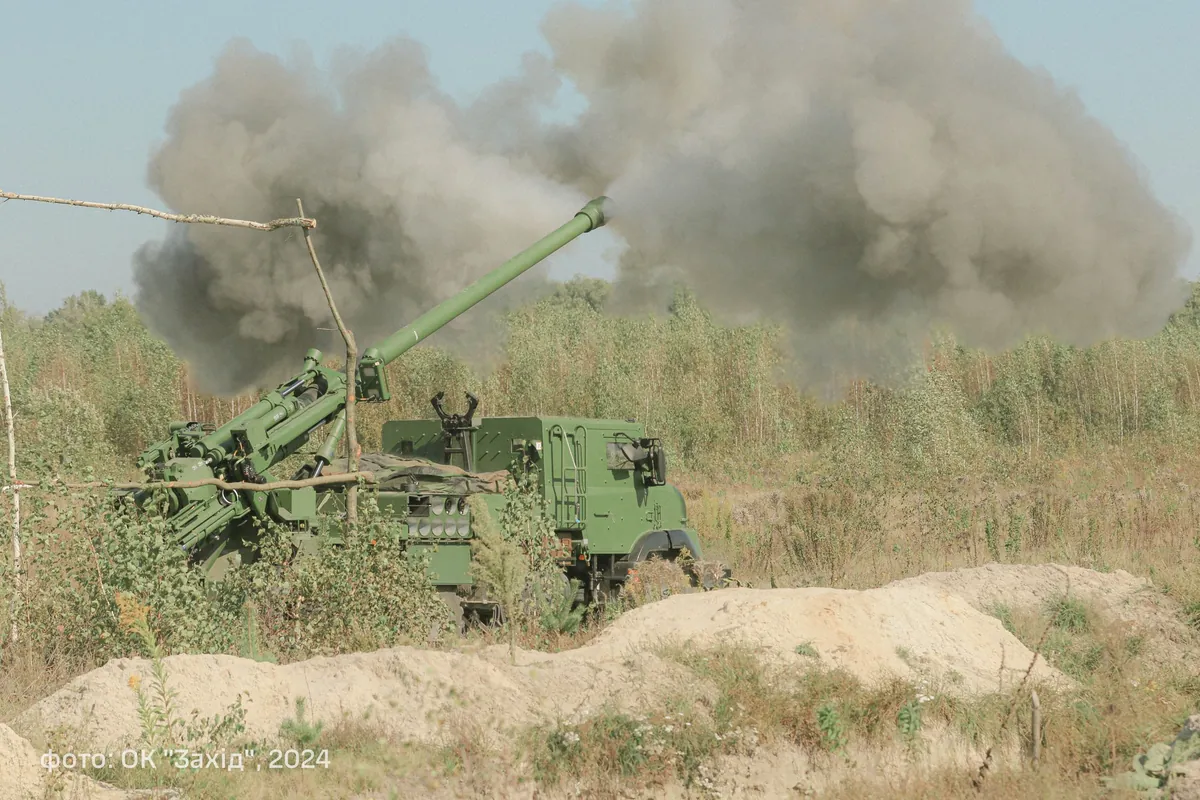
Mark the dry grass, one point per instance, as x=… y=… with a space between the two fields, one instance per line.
x=1093 y=514
x=1043 y=453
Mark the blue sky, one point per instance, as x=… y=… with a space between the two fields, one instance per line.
x=89 y=85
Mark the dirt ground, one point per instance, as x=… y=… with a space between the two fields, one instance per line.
x=932 y=628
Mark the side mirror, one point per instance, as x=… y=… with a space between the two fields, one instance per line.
x=660 y=466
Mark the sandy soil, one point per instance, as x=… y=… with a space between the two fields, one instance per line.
x=1118 y=596
x=21 y=777
x=930 y=627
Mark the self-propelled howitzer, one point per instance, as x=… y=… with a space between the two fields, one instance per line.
x=247 y=447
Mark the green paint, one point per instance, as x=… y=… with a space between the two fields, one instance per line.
x=601 y=501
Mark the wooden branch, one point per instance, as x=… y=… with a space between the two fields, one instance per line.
x=202 y=219
x=351 y=367
x=16 y=501
x=986 y=767
x=16 y=487
x=1035 y=726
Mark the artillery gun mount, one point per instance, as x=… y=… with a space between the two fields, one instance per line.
x=603 y=482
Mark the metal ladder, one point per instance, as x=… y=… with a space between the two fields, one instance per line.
x=568 y=476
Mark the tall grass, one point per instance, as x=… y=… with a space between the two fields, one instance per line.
x=1025 y=453
x=92 y=386
x=1044 y=452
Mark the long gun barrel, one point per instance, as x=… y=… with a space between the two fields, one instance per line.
x=248 y=445
x=372 y=378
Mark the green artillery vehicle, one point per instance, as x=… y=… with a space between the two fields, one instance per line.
x=604 y=482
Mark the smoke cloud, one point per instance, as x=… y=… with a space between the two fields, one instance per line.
x=864 y=167
x=409 y=211
x=872 y=165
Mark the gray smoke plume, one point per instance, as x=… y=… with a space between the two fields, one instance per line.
x=860 y=164
x=409 y=211
x=854 y=170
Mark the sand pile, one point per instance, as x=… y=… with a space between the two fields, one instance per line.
x=22 y=778
x=19 y=774
x=910 y=631
x=934 y=630
x=1117 y=597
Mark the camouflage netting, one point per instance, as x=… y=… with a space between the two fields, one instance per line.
x=398 y=472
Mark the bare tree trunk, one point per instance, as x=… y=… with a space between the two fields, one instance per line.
x=351 y=365
x=16 y=493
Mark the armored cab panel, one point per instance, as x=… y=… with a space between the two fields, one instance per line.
x=594 y=488
x=414 y=437
x=598 y=496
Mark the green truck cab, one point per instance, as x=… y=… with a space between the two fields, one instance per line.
x=603 y=483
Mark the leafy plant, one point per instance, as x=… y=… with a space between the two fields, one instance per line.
x=500 y=566
x=807 y=649
x=561 y=614
x=299 y=731
x=833 y=731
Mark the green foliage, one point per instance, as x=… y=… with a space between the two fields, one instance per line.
x=646 y=749
x=87 y=550
x=833 y=732
x=908 y=720
x=251 y=645
x=65 y=434
x=1068 y=614
x=1191 y=613
x=820 y=709
x=560 y=614
x=92 y=386
x=591 y=292
x=514 y=558
x=300 y=732
x=1002 y=612
x=499 y=566
x=937 y=435
x=161 y=728
x=367 y=593
x=525 y=522
x=1164 y=766
x=807 y=649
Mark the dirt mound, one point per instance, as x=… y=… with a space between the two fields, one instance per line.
x=408 y=692
x=23 y=778
x=914 y=632
x=19 y=774
x=1116 y=596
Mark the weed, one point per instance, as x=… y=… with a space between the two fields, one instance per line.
x=807 y=649
x=833 y=732
x=299 y=731
x=1191 y=613
x=561 y=614
x=1068 y=614
x=1002 y=612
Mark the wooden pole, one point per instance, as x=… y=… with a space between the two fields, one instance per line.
x=1035 y=715
x=351 y=374
x=201 y=219
x=16 y=495
x=233 y=486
